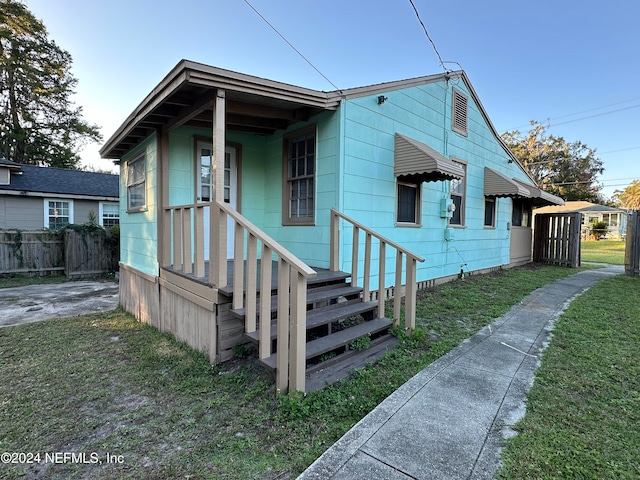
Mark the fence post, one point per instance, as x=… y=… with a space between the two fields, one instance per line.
x=632 y=247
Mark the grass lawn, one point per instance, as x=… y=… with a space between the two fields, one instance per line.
x=583 y=411
x=106 y=384
x=603 y=251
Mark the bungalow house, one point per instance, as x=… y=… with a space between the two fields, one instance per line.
x=614 y=218
x=33 y=198
x=257 y=210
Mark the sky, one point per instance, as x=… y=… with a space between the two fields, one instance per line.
x=574 y=64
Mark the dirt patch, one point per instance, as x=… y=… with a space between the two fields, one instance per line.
x=33 y=303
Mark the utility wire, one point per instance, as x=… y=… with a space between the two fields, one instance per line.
x=593 y=116
x=428 y=37
x=291 y=45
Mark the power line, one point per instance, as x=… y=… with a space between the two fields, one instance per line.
x=428 y=36
x=596 y=115
x=291 y=45
x=586 y=111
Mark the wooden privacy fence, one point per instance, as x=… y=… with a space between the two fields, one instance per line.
x=632 y=250
x=85 y=252
x=556 y=239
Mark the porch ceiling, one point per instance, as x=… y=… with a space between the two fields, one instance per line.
x=186 y=95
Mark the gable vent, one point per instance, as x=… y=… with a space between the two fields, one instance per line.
x=460 y=107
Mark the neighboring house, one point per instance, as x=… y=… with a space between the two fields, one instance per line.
x=615 y=218
x=210 y=152
x=33 y=198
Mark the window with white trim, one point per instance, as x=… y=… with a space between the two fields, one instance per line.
x=460 y=112
x=457 y=189
x=408 y=203
x=57 y=213
x=109 y=214
x=137 y=184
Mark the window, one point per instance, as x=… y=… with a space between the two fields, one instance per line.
x=521 y=213
x=57 y=213
x=136 y=184
x=489 y=212
x=457 y=189
x=299 y=178
x=408 y=206
x=109 y=214
x=459 y=115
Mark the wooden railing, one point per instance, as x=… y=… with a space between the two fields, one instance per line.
x=184 y=226
x=410 y=277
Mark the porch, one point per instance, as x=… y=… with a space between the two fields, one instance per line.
x=316 y=324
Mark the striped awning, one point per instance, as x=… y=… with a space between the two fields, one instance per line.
x=497 y=184
x=419 y=162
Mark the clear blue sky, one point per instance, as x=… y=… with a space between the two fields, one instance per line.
x=554 y=60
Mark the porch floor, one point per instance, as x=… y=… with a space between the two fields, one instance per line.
x=323 y=276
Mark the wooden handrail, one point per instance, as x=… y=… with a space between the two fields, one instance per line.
x=391 y=243
x=292 y=280
x=411 y=270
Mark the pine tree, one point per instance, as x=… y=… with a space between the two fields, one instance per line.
x=39 y=124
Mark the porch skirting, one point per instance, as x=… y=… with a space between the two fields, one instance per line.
x=202 y=322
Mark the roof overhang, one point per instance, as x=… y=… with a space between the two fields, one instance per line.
x=418 y=162
x=186 y=96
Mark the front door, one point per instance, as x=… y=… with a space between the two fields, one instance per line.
x=205 y=188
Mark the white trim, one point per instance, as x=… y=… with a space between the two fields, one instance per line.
x=101 y=211
x=46 y=209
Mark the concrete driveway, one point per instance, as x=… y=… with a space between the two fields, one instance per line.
x=40 y=302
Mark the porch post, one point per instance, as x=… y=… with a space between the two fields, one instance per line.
x=219 y=141
x=164 y=218
x=218 y=236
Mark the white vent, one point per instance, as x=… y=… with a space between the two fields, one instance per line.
x=460 y=108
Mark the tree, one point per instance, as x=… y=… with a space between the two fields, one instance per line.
x=629 y=197
x=565 y=169
x=39 y=124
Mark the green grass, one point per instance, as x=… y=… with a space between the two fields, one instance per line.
x=108 y=384
x=583 y=411
x=603 y=251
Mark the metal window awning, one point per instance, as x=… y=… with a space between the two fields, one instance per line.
x=497 y=184
x=540 y=197
x=418 y=162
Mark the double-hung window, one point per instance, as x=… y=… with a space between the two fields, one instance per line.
x=408 y=203
x=489 y=212
x=109 y=214
x=57 y=213
x=299 y=168
x=136 y=184
x=457 y=190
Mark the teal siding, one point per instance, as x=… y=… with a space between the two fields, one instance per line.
x=424 y=113
x=138 y=231
x=354 y=173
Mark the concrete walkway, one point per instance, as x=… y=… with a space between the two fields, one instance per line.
x=447 y=422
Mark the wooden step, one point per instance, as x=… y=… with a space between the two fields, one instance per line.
x=314 y=295
x=324 y=315
x=336 y=340
x=341 y=366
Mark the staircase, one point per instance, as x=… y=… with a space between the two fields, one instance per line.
x=343 y=331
